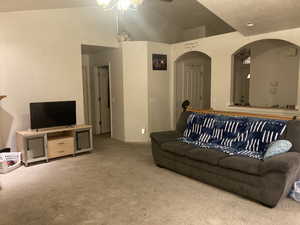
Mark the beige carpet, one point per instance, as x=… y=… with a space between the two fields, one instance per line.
x=119 y=184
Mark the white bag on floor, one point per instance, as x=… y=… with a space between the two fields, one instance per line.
x=9 y=161
x=295 y=193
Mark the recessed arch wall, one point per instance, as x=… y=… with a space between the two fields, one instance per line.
x=270 y=78
x=221 y=48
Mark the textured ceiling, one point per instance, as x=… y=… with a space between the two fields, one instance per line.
x=187 y=14
x=183 y=13
x=267 y=15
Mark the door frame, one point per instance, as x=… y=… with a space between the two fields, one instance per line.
x=97 y=129
x=86 y=81
x=173 y=82
x=180 y=87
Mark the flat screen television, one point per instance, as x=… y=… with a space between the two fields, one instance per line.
x=52 y=114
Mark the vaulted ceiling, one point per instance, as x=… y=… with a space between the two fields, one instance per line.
x=182 y=13
x=266 y=15
x=187 y=14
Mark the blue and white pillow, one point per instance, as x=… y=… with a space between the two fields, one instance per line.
x=278 y=147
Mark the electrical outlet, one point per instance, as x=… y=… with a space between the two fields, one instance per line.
x=143 y=131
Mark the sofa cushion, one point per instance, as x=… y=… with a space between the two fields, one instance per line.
x=282 y=163
x=210 y=156
x=242 y=164
x=165 y=136
x=235 y=175
x=177 y=147
x=293 y=134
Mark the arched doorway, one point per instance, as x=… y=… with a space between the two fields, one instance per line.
x=266 y=74
x=192 y=81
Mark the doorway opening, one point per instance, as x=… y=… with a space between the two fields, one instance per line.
x=266 y=75
x=192 y=81
x=96 y=77
x=102 y=99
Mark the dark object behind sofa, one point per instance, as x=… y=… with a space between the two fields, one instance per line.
x=4 y=150
x=263 y=181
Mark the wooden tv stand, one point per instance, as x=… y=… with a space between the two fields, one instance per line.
x=45 y=144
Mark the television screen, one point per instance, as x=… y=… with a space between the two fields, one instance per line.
x=52 y=114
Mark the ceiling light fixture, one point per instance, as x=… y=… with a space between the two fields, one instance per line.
x=250 y=24
x=121 y=5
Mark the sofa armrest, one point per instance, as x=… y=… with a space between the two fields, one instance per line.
x=165 y=136
x=284 y=163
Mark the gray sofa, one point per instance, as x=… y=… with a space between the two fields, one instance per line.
x=265 y=181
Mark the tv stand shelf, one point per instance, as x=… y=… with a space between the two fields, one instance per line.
x=45 y=144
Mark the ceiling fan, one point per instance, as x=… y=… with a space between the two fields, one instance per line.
x=123 y=5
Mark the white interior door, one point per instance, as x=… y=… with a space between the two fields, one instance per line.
x=104 y=99
x=190 y=86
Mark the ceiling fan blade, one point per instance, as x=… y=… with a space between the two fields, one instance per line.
x=166 y=0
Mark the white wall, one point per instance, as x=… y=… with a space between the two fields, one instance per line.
x=159 y=90
x=146 y=92
x=221 y=48
x=114 y=58
x=40 y=55
x=135 y=75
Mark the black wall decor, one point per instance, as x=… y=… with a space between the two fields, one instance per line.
x=159 y=62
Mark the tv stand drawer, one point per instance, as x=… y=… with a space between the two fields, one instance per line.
x=60 y=147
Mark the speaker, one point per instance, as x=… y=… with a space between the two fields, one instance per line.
x=36 y=148
x=83 y=140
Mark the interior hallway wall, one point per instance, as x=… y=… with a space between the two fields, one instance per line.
x=135 y=74
x=40 y=56
x=146 y=92
x=159 y=90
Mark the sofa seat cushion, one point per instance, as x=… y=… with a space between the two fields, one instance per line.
x=234 y=175
x=242 y=164
x=165 y=136
x=283 y=163
x=176 y=147
x=206 y=155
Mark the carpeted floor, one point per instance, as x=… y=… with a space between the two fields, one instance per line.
x=119 y=184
